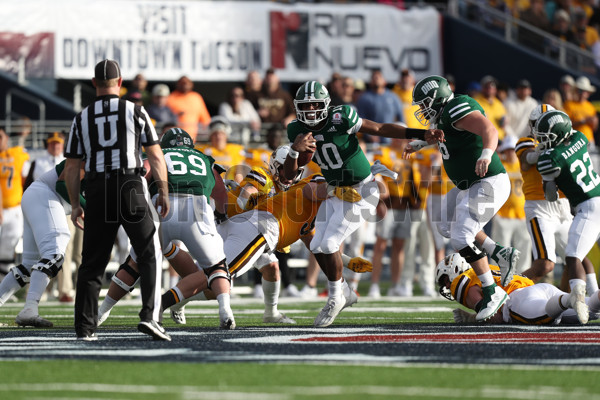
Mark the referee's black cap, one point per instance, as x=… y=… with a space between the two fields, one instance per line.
x=106 y=70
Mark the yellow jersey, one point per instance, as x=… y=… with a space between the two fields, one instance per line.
x=232 y=158
x=258 y=157
x=494 y=111
x=461 y=284
x=403 y=185
x=295 y=213
x=405 y=97
x=514 y=207
x=579 y=111
x=261 y=179
x=12 y=161
x=532 y=188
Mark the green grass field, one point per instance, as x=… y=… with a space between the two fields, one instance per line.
x=92 y=379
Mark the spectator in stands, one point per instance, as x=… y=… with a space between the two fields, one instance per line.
x=158 y=110
x=347 y=90
x=567 y=88
x=536 y=16
x=228 y=155
x=581 y=111
x=253 y=87
x=509 y=226
x=403 y=89
x=336 y=89
x=379 y=104
x=135 y=97
x=359 y=89
x=473 y=89
x=518 y=110
x=241 y=114
x=140 y=84
x=561 y=28
x=494 y=109
x=275 y=104
x=55 y=146
x=188 y=106
x=553 y=97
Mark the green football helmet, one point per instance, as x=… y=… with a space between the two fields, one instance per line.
x=431 y=94
x=176 y=137
x=311 y=103
x=552 y=128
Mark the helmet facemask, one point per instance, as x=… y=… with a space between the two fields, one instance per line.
x=311 y=103
x=276 y=165
x=552 y=129
x=449 y=269
x=431 y=95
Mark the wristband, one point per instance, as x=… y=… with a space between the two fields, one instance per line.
x=487 y=154
x=532 y=157
x=412 y=133
x=293 y=153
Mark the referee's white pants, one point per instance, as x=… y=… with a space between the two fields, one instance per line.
x=466 y=212
x=45 y=228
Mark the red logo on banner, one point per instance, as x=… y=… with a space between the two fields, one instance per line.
x=289 y=35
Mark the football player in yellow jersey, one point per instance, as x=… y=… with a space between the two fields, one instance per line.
x=229 y=155
x=395 y=225
x=548 y=222
x=509 y=224
x=13 y=170
x=529 y=303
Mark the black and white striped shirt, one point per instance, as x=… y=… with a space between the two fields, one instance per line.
x=109 y=134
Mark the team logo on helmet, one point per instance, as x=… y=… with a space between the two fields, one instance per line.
x=552 y=128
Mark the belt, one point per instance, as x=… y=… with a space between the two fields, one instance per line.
x=116 y=172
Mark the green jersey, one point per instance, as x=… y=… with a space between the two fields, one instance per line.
x=569 y=165
x=339 y=155
x=462 y=149
x=189 y=171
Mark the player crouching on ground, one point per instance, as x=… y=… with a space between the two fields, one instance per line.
x=529 y=303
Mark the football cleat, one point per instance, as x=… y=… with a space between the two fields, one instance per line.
x=90 y=337
x=29 y=317
x=103 y=317
x=351 y=298
x=331 y=310
x=577 y=303
x=178 y=315
x=280 y=318
x=493 y=298
x=154 y=329
x=359 y=264
x=506 y=258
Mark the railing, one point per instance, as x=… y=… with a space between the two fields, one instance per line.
x=514 y=30
x=39 y=127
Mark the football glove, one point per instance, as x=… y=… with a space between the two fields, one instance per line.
x=379 y=168
x=360 y=265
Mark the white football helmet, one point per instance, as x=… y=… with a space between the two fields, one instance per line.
x=537 y=112
x=452 y=266
x=276 y=162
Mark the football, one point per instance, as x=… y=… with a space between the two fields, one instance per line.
x=304 y=158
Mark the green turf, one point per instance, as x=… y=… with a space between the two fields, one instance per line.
x=126 y=380
x=87 y=380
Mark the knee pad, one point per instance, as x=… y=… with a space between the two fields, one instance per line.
x=471 y=253
x=171 y=251
x=133 y=273
x=21 y=274
x=219 y=270
x=50 y=266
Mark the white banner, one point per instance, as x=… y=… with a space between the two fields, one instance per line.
x=218 y=41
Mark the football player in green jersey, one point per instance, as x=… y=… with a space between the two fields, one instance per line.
x=330 y=133
x=192 y=178
x=482 y=184
x=565 y=164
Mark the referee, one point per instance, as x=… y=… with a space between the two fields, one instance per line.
x=108 y=135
